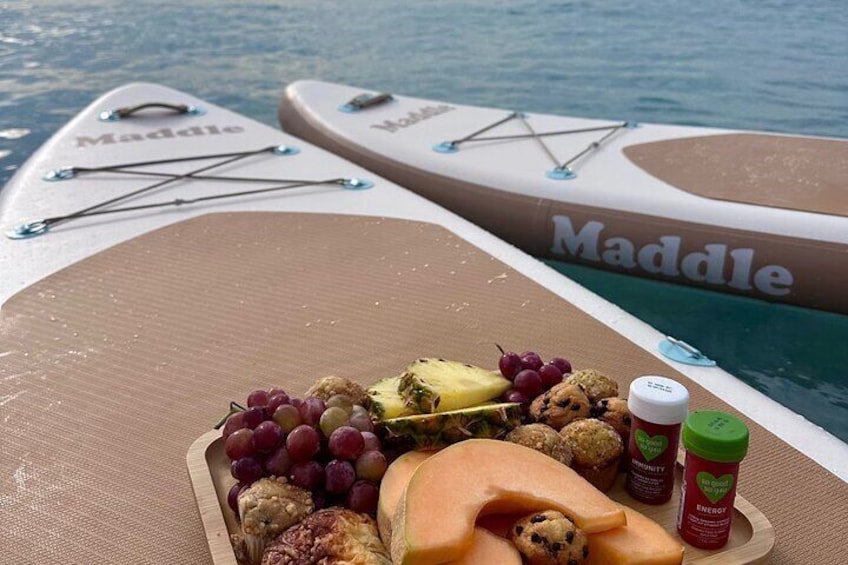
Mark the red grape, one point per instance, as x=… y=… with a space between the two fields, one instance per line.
x=361 y=421
x=275 y=391
x=311 y=410
x=561 y=364
x=279 y=463
x=287 y=417
x=232 y=496
x=342 y=401
x=338 y=476
x=333 y=417
x=529 y=383
x=510 y=364
x=276 y=401
x=239 y=444
x=257 y=398
x=303 y=443
x=372 y=442
x=233 y=423
x=254 y=416
x=371 y=466
x=551 y=375
x=531 y=360
x=513 y=395
x=307 y=475
x=363 y=497
x=346 y=442
x=267 y=436
x=246 y=470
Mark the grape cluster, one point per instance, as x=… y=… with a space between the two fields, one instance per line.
x=328 y=448
x=530 y=375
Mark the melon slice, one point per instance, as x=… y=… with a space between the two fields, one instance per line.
x=392 y=485
x=641 y=542
x=434 y=519
x=489 y=549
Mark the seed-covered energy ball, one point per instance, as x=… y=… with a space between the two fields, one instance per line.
x=560 y=405
x=550 y=538
x=543 y=438
x=596 y=384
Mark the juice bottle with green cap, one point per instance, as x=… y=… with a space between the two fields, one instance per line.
x=715 y=444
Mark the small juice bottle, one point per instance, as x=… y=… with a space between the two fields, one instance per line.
x=658 y=406
x=715 y=443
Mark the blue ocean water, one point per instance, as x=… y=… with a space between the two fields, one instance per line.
x=773 y=65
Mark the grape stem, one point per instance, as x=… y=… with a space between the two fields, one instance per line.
x=501 y=349
x=234 y=407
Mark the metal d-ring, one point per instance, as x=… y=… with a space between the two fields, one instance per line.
x=446 y=147
x=285 y=150
x=62 y=173
x=356 y=184
x=561 y=173
x=28 y=229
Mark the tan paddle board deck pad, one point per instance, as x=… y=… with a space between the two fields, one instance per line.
x=798 y=173
x=114 y=366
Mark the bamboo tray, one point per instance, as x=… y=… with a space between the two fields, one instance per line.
x=751 y=538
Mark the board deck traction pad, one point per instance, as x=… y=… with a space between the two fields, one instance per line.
x=142 y=346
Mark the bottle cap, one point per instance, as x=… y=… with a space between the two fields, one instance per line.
x=658 y=400
x=715 y=436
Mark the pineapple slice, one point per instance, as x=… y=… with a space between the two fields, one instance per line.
x=434 y=431
x=435 y=385
x=386 y=401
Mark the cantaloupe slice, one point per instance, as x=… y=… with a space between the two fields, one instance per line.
x=641 y=542
x=392 y=485
x=434 y=519
x=499 y=524
x=489 y=549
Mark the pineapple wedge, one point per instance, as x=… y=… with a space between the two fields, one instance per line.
x=434 y=431
x=435 y=385
x=386 y=401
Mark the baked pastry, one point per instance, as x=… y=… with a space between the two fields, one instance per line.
x=550 y=538
x=333 y=536
x=614 y=411
x=596 y=384
x=543 y=438
x=597 y=449
x=331 y=385
x=266 y=509
x=562 y=404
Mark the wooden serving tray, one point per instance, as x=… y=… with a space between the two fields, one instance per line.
x=751 y=538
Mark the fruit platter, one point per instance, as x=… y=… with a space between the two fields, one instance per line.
x=445 y=462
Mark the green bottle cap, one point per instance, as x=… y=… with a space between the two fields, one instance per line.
x=715 y=436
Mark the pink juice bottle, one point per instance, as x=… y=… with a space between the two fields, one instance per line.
x=658 y=406
x=715 y=444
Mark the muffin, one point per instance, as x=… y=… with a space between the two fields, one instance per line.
x=332 y=535
x=597 y=449
x=596 y=384
x=331 y=385
x=266 y=509
x=562 y=404
x=550 y=538
x=543 y=438
x=614 y=411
